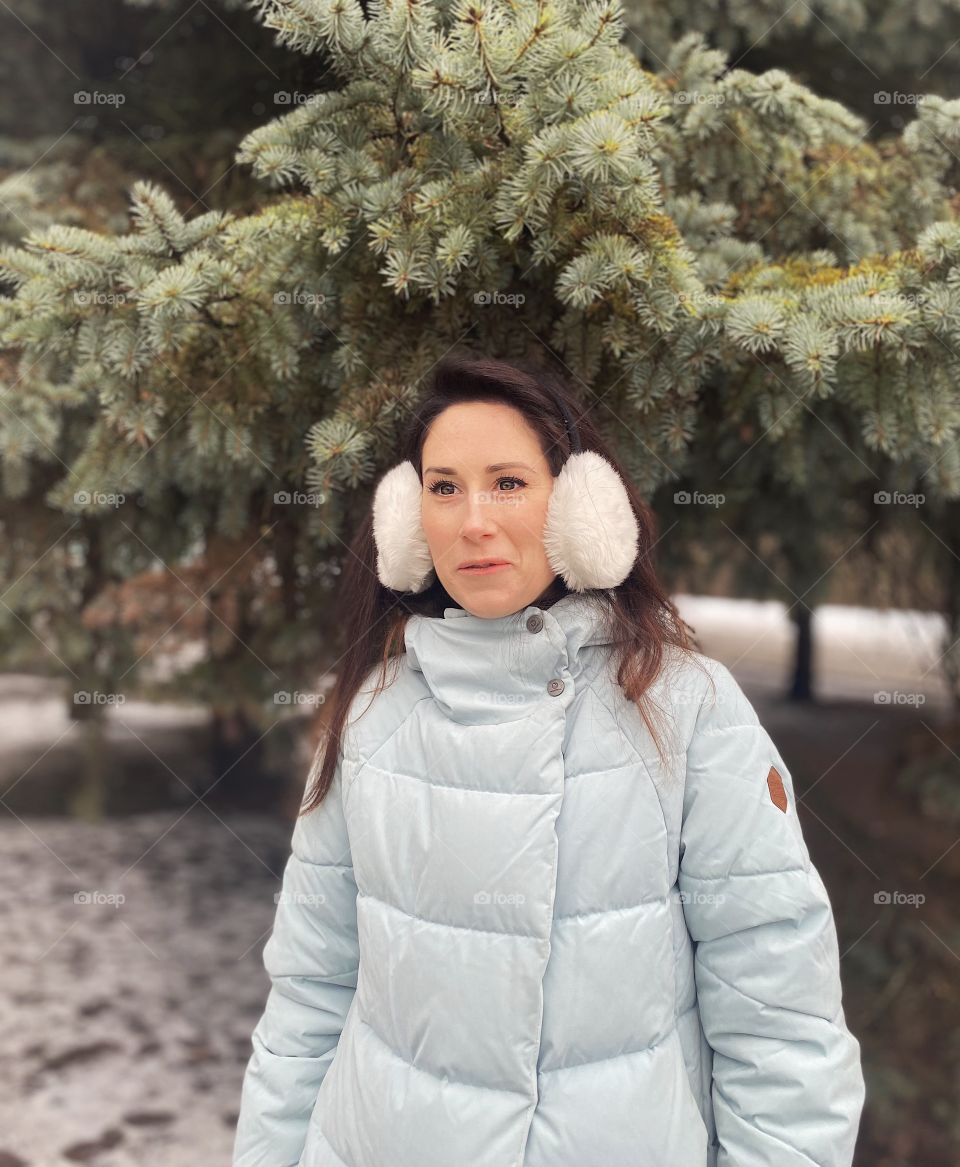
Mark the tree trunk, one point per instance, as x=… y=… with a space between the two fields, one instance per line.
x=88 y=801
x=801 y=688
x=236 y=758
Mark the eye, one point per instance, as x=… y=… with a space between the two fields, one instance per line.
x=434 y=486
x=440 y=482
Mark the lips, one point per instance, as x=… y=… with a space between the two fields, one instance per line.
x=481 y=568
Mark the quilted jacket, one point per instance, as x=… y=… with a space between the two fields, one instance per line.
x=513 y=936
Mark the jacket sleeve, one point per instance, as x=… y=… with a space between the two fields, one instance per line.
x=787 y=1082
x=312 y=958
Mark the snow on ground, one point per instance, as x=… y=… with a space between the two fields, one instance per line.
x=857 y=651
x=35 y=712
x=125 y=1023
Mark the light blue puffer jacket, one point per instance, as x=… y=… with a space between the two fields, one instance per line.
x=511 y=937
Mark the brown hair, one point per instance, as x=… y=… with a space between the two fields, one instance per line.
x=640 y=614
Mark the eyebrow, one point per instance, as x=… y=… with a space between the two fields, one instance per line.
x=490 y=469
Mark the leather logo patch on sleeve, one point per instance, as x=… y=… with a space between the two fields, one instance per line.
x=778 y=796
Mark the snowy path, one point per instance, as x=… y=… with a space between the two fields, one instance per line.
x=857 y=651
x=125 y=1026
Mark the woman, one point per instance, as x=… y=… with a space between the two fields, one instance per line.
x=548 y=903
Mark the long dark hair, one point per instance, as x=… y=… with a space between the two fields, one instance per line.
x=640 y=614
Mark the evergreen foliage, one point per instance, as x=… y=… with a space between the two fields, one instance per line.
x=751 y=295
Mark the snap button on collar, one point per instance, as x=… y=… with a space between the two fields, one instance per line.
x=534 y=622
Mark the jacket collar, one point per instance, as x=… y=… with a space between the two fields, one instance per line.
x=483 y=670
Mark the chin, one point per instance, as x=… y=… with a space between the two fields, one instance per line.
x=491 y=602
x=483 y=599
x=488 y=607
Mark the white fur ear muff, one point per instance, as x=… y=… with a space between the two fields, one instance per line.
x=404 y=563
x=591 y=533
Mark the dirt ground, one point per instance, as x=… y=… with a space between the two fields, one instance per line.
x=125 y=1025
x=900 y=961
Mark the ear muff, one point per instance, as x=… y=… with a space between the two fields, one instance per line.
x=590 y=534
x=403 y=556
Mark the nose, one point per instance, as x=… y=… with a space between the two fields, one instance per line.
x=479 y=519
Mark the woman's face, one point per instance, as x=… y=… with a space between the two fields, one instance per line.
x=472 y=510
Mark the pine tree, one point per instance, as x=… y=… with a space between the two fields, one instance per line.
x=751 y=296
x=877 y=58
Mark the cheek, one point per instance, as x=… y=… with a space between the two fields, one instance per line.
x=525 y=521
x=437 y=522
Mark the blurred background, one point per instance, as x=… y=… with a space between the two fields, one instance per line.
x=234 y=240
